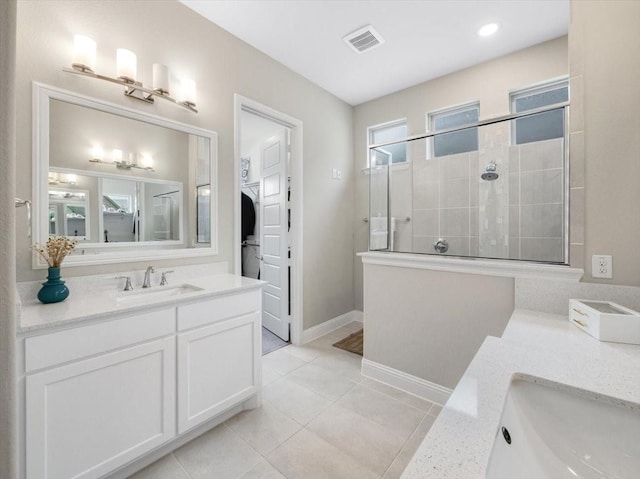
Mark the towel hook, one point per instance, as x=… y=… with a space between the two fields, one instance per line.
x=26 y=204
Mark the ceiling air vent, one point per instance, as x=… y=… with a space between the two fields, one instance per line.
x=364 y=39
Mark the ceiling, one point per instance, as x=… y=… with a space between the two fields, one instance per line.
x=423 y=39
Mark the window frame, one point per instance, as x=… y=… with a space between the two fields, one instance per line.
x=388 y=124
x=537 y=88
x=431 y=116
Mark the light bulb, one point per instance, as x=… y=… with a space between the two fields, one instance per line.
x=84 y=53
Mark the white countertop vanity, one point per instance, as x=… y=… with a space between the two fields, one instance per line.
x=111 y=380
x=577 y=375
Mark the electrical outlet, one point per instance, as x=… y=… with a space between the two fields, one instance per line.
x=601 y=266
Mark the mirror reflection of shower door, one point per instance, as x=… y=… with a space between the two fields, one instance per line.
x=273 y=235
x=161 y=218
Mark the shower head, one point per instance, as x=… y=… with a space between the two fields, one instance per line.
x=490 y=172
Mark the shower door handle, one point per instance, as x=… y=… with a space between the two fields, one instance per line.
x=441 y=246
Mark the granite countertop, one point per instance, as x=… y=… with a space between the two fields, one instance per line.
x=543 y=345
x=99 y=302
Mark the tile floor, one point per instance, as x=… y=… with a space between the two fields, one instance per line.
x=320 y=418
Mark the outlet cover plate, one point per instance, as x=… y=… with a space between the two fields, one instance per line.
x=601 y=266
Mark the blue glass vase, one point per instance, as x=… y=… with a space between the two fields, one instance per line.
x=54 y=289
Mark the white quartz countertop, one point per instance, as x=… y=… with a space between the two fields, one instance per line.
x=543 y=345
x=96 y=304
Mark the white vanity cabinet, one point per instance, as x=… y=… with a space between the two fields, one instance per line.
x=100 y=396
x=86 y=416
x=218 y=363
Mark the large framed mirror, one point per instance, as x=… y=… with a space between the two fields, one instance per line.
x=126 y=185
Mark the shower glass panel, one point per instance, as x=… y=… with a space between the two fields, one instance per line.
x=503 y=200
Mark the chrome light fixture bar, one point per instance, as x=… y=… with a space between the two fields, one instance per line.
x=133 y=89
x=122 y=165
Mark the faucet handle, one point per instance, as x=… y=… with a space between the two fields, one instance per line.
x=127 y=285
x=163 y=279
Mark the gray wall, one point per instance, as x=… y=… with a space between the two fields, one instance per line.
x=435 y=322
x=8 y=438
x=170 y=33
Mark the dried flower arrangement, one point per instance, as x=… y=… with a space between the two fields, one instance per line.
x=55 y=250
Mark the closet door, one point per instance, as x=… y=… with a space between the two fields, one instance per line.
x=273 y=235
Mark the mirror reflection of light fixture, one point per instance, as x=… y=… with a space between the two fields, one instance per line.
x=84 y=63
x=62 y=179
x=146 y=162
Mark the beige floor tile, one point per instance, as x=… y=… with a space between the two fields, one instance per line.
x=166 y=468
x=306 y=456
x=321 y=381
x=282 y=362
x=372 y=445
x=264 y=428
x=218 y=453
x=398 y=394
x=263 y=470
x=269 y=375
x=395 y=415
x=409 y=449
x=343 y=363
x=297 y=402
x=303 y=352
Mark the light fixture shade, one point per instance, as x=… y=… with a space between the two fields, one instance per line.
x=146 y=161
x=72 y=179
x=161 y=79
x=116 y=155
x=97 y=153
x=84 y=53
x=126 y=66
x=188 y=93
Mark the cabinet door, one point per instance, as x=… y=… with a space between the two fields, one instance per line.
x=218 y=367
x=86 y=418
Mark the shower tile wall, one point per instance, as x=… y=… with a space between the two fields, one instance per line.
x=517 y=216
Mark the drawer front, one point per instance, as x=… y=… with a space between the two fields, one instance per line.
x=584 y=318
x=72 y=344
x=217 y=309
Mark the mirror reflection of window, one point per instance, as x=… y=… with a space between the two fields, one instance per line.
x=203 y=233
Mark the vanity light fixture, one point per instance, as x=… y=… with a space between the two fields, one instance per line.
x=488 y=29
x=62 y=179
x=84 y=63
x=97 y=154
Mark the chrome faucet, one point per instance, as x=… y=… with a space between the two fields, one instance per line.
x=147 y=277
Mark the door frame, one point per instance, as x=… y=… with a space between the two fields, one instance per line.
x=242 y=103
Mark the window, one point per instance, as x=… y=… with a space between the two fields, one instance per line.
x=395 y=130
x=543 y=126
x=461 y=141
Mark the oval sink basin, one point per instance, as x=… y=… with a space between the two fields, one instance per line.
x=156 y=293
x=551 y=430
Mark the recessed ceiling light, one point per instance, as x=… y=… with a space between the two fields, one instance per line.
x=488 y=29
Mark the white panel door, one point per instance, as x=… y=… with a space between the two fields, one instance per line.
x=273 y=235
x=91 y=416
x=217 y=368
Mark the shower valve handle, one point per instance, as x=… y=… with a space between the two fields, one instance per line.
x=441 y=246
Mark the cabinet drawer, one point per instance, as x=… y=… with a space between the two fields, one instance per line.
x=213 y=310
x=73 y=344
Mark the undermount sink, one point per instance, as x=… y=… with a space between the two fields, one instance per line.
x=551 y=430
x=154 y=294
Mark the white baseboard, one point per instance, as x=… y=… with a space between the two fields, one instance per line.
x=330 y=325
x=406 y=382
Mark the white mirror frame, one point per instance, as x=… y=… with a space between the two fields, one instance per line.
x=42 y=94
